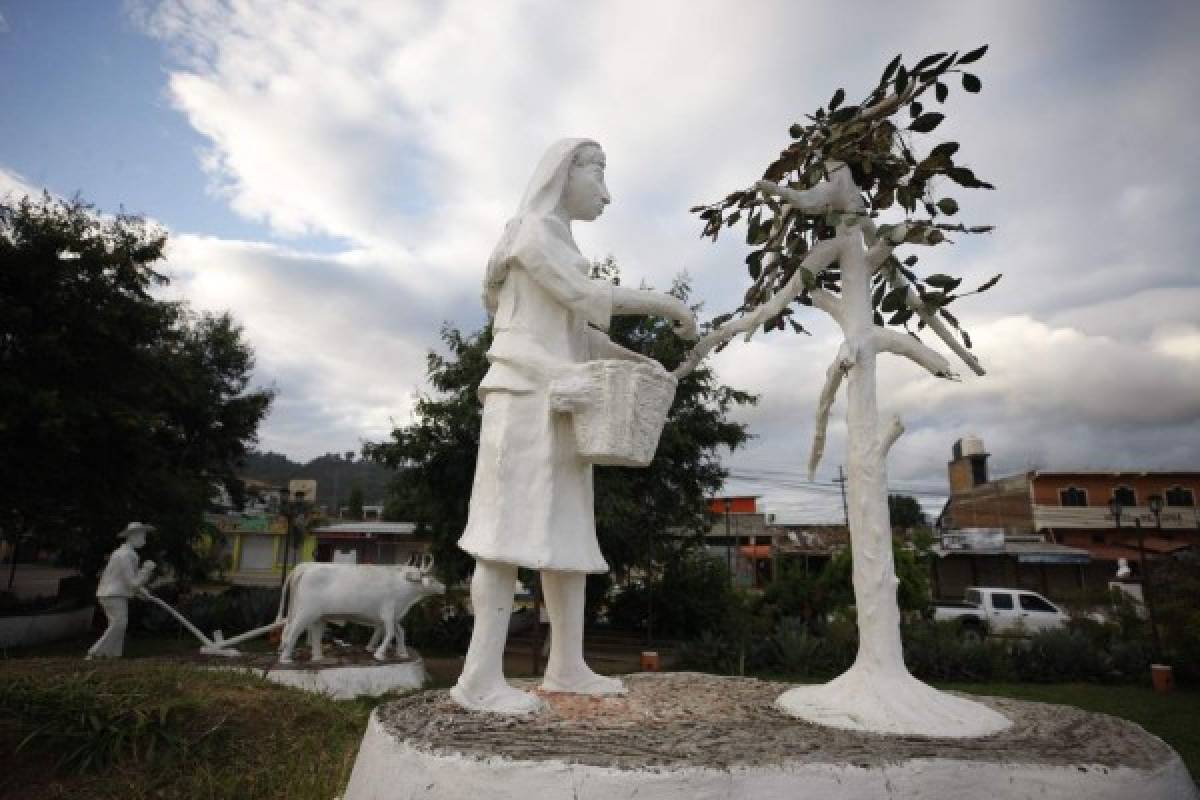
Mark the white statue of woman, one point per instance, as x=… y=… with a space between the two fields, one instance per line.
x=531 y=505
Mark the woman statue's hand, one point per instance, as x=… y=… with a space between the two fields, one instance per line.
x=643 y=301
x=686 y=328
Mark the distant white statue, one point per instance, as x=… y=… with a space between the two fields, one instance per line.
x=1123 y=570
x=369 y=594
x=121 y=580
x=532 y=505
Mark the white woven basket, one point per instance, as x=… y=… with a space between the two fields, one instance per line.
x=619 y=409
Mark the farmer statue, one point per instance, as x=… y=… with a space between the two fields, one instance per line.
x=122 y=579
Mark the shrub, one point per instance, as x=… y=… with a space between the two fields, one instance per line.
x=234 y=611
x=440 y=623
x=691 y=595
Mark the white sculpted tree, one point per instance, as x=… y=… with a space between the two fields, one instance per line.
x=814 y=223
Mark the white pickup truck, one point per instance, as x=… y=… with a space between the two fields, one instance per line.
x=1002 y=612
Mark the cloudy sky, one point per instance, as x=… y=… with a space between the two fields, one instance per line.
x=336 y=173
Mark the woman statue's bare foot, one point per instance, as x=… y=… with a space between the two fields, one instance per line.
x=499 y=699
x=581 y=681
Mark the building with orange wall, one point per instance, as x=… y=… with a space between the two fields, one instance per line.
x=1075 y=508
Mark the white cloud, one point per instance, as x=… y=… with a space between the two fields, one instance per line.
x=13 y=187
x=407 y=132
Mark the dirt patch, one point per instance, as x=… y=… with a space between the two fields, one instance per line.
x=695 y=720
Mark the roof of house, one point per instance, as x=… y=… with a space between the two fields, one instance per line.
x=1026 y=552
x=395 y=528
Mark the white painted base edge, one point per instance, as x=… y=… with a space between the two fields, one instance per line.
x=390 y=769
x=346 y=683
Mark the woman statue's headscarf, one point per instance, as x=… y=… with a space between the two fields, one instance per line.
x=542 y=196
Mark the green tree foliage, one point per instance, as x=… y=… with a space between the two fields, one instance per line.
x=115 y=405
x=435 y=455
x=356 y=502
x=891 y=170
x=905 y=511
x=813 y=596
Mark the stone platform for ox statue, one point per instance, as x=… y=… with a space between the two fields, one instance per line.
x=693 y=737
x=344 y=673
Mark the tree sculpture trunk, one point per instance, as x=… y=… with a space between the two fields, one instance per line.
x=877 y=693
x=874 y=574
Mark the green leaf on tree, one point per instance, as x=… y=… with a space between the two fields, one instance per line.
x=928 y=61
x=894 y=300
x=945 y=150
x=890 y=70
x=926 y=122
x=943 y=282
x=837 y=99
x=947 y=205
x=941 y=91
x=974 y=55
x=971 y=83
x=990 y=283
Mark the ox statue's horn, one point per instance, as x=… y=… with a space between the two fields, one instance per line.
x=427 y=562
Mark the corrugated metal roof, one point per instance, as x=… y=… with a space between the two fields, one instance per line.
x=395 y=528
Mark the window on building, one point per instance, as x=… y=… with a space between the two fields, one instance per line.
x=1002 y=601
x=1125 y=495
x=1072 y=496
x=1179 y=496
x=1031 y=602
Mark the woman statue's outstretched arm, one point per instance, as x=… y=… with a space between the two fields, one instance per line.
x=655 y=304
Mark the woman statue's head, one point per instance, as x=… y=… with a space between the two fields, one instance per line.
x=568 y=183
x=585 y=194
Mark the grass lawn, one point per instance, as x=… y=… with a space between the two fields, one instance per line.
x=1174 y=718
x=151 y=727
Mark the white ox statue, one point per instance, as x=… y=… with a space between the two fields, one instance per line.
x=368 y=594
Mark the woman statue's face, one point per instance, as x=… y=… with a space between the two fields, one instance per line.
x=586 y=195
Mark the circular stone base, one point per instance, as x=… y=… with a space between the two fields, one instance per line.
x=692 y=736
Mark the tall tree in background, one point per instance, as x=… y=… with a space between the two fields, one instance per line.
x=904 y=511
x=114 y=405
x=436 y=454
x=815 y=241
x=355 y=502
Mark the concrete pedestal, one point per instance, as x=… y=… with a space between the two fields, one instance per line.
x=693 y=737
x=341 y=679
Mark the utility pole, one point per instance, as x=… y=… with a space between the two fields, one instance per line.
x=841 y=481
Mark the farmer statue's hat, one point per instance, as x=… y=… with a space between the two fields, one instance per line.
x=134 y=527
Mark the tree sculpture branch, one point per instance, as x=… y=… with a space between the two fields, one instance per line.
x=894 y=432
x=820 y=257
x=935 y=324
x=889 y=341
x=833 y=380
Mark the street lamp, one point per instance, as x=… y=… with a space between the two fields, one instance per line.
x=294 y=511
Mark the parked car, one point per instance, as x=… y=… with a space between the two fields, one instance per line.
x=1002 y=612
